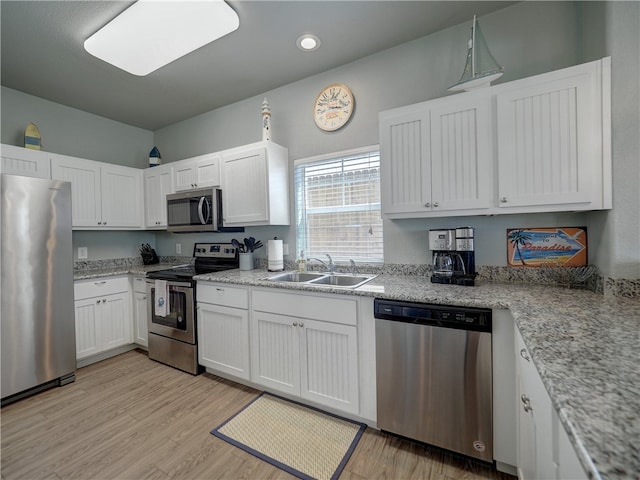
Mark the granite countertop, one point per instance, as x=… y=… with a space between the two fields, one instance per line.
x=585 y=347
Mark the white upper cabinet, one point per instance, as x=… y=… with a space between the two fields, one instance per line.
x=539 y=144
x=255 y=185
x=104 y=196
x=405 y=160
x=461 y=153
x=197 y=172
x=158 y=183
x=24 y=162
x=553 y=140
x=437 y=157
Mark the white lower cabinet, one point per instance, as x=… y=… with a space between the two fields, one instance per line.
x=544 y=450
x=223 y=329
x=140 y=311
x=313 y=358
x=103 y=315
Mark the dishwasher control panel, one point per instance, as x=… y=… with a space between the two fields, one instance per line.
x=465 y=318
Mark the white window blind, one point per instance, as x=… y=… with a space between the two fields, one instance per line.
x=338 y=206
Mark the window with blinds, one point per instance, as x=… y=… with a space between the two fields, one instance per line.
x=338 y=206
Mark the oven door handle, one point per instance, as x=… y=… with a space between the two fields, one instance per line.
x=203 y=201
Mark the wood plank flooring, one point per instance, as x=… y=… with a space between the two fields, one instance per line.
x=129 y=417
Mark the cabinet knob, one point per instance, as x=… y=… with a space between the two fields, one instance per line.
x=99 y=223
x=295 y=324
x=428 y=205
x=435 y=204
x=104 y=300
x=523 y=354
x=104 y=223
x=503 y=199
x=301 y=324
x=98 y=301
x=526 y=403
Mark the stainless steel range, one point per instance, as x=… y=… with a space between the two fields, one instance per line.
x=171 y=308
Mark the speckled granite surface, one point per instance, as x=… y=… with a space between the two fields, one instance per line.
x=586 y=346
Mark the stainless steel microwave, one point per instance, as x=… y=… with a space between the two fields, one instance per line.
x=195 y=211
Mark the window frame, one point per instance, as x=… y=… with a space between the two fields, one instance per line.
x=300 y=217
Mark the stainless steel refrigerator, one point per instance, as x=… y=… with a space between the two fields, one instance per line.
x=37 y=323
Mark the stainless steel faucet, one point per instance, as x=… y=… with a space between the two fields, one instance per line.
x=331 y=267
x=354 y=267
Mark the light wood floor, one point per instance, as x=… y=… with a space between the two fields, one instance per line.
x=132 y=418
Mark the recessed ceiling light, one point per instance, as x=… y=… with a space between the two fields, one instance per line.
x=151 y=33
x=308 y=43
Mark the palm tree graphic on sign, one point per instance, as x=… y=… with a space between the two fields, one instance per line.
x=517 y=238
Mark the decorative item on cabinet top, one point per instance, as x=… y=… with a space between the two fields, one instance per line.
x=32 y=138
x=154 y=157
x=266 y=120
x=481 y=68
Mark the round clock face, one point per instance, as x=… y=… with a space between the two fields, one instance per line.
x=333 y=107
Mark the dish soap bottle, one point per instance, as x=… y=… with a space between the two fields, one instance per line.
x=302 y=262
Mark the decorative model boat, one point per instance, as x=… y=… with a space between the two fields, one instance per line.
x=481 y=68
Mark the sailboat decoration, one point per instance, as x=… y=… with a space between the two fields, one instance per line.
x=481 y=68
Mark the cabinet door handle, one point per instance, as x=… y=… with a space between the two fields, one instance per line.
x=523 y=354
x=435 y=204
x=301 y=324
x=295 y=324
x=526 y=403
x=104 y=300
x=99 y=223
x=98 y=301
x=427 y=204
x=503 y=200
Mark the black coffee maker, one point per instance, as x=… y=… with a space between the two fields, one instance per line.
x=453 y=256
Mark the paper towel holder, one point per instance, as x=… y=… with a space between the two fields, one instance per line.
x=275 y=257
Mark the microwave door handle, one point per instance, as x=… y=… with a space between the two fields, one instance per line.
x=203 y=201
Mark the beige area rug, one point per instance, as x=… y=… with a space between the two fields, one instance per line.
x=301 y=440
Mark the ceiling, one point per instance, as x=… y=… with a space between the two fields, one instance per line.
x=43 y=54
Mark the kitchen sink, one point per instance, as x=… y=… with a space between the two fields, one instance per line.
x=323 y=279
x=296 y=277
x=351 y=281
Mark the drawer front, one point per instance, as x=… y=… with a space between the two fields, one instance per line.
x=100 y=286
x=325 y=308
x=222 y=295
x=140 y=284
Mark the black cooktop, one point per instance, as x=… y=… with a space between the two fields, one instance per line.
x=209 y=258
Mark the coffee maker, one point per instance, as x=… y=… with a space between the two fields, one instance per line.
x=453 y=256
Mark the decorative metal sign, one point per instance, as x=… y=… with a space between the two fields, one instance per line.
x=557 y=246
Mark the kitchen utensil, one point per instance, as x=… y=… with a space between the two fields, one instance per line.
x=238 y=245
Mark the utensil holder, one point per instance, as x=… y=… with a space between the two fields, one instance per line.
x=246 y=261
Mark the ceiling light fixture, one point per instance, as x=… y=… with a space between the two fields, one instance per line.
x=308 y=43
x=153 y=33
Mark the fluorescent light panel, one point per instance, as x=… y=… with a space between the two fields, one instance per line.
x=153 y=33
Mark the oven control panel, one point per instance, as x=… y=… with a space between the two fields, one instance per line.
x=214 y=250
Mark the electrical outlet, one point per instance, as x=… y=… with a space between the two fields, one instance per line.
x=285 y=249
x=178 y=248
x=83 y=253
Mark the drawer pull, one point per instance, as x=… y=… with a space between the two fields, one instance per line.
x=523 y=354
x=100 y=283
x=526 y=403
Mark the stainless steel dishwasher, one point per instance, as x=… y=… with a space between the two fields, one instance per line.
x=433 y=366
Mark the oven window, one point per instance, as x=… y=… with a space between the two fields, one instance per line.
x=177 y=316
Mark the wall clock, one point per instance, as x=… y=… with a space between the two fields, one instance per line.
x=333 y=107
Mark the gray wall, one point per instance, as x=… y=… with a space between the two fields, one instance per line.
x=616 y=249
x=70 y=131
x=527 y=39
